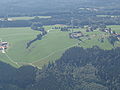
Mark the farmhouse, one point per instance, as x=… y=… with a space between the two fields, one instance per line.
x=108 y=30
x=76 y=34
x=3 y=45
x=118 y=36
x=89 y=29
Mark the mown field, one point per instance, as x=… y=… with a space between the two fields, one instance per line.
x=50 y=48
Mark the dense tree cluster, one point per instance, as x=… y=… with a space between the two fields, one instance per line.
x=15 y=79
x=79 y=18
x=77 y=69
x=39 y=27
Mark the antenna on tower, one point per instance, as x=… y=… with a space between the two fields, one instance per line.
x=0 y=40
x=6 y=17
x=72 y=19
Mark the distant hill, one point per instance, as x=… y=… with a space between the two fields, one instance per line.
x=30 y=6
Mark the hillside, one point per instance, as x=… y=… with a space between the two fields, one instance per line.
x=77 y=69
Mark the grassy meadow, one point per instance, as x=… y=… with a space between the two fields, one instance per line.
x=50 y=48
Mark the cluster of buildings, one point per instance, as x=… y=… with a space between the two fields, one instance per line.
x=76 y=35
x=6 y=19
x=113 y=33
x=89 y=9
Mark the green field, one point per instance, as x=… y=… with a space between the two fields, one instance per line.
x=50 y=48
x=108 y=16
x=52 y=45
x=116 y=28
x=26 y=17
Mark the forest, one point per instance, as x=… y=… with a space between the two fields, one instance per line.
x=77 y=69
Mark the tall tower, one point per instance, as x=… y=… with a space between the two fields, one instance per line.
x=0 y=40
x=72 y=20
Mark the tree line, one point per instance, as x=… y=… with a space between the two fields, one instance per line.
x=80 y=18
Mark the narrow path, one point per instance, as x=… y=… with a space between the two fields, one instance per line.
x=11 y=59
x=54 y=53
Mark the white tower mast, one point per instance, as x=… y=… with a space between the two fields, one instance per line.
x=72 y=20
x=0 y=40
